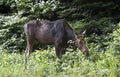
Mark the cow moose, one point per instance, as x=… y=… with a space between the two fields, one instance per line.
x=56 y=32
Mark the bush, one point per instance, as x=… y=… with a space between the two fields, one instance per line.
x=12 y=34
x=40 y=9
x=114 y=43
x=75 y=64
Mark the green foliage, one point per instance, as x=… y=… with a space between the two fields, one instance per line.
x=41 y=9
x=44 y=63
x=8 y=5
x=114 y=44
x=11 y=33
x=100 y=26
x=70 y=9
x=98 y=18
x=94 y=26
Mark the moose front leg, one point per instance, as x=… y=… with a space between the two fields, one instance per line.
x=59 y=48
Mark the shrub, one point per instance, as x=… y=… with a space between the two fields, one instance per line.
x=12 y=35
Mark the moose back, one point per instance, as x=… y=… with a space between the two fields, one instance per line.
x=52 y=32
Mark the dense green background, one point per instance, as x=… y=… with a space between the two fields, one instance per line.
x=100 y=19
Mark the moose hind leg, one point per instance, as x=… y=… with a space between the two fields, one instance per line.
x=28 y=49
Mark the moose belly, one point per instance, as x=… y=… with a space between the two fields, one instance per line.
x=45 y=38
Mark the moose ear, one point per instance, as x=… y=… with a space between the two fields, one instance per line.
x=84 y=32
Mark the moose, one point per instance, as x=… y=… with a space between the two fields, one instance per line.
x=56 y=32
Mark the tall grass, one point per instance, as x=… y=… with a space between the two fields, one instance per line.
x=44 y=63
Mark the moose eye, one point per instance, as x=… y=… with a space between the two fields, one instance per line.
x=81 y=39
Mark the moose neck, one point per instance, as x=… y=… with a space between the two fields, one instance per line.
x=74 y=38
x=71 y=35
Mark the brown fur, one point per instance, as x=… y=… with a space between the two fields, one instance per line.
x=52 y=32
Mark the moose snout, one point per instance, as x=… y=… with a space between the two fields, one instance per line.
x=85 y=50
x=86 y=53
